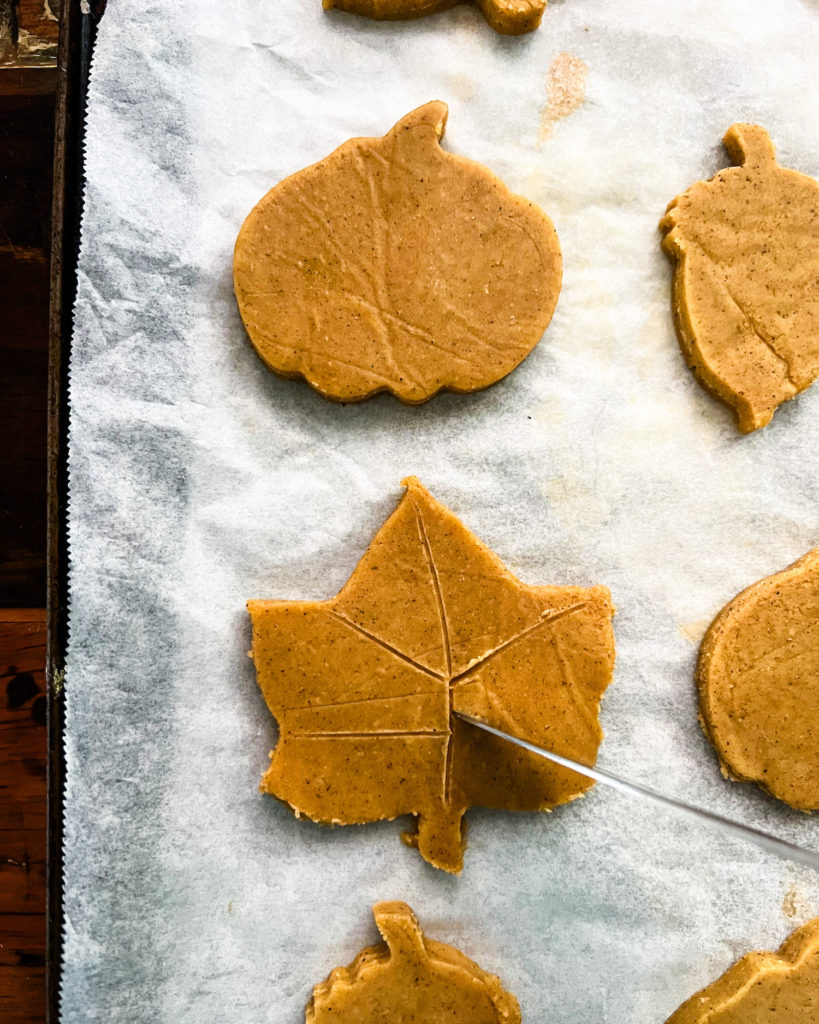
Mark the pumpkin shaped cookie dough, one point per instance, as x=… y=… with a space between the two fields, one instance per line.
x=746 y=251
x=763 y=988
x=364 y=685
x=758 y=677
x=393 y=265
x=509 y=17
x=410 y=979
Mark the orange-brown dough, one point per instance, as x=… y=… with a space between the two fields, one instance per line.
x=392 y=265
x=763 y=988
x=363 y=686
x=410 y=979
x=509 y=17
x=746 y=251
x=758 y=676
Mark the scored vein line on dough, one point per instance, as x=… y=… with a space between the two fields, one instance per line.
x=546 y=621
x=391 y=733
x=367 y=371
x=510 y=724
x=383 y=643
x=722 y=282
x=363 y=700
x=377 y=278
x=439 y=597
x=384 y=318
x=325 y=226
x=374 y=281
x=582 y=711
x=779 y=647
x=503 y=715
x=525 y=231
x=436 y=583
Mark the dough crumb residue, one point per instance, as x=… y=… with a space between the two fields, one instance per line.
x=694 y=631
x=463 y=87
x=565 y=91
x=794 y=905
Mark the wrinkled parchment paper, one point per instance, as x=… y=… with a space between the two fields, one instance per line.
x=199 y=480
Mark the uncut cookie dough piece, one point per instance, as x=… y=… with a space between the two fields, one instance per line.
x=363 y=686
x=410 y=979
x=509 y=17
x=393 y=265
x=746 y=251
x=758 y=677
x=763 y=988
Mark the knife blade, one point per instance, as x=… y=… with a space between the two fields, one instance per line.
x=772 y=844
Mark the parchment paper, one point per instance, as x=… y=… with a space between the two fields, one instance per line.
x=198 y=480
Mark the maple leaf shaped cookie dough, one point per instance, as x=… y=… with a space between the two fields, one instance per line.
x=758 y=677
x=363 y=686
x=509 y=17
x=763 y=988
x=392 y=265
x=746 y=301
x=410 y=979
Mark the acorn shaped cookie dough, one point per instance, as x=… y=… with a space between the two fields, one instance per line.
x=758 y=677
x=393 y=265
x=509 y=17
x=746 y=303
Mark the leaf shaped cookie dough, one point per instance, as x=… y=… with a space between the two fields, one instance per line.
x=393 y=265
x=763 y=988
x=363 y=686
x=509 y=17
x=410 y=979
x=758 y=676
x=745 y=298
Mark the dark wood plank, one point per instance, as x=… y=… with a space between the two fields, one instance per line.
x=28 y=81
x=22 y=815
x=34 y=251
x=26 y=147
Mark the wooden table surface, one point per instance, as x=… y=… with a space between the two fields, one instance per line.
x=28 y=75
x=22 y=816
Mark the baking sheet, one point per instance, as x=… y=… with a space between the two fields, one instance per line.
x=198 y=480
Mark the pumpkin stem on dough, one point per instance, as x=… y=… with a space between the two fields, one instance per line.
x=749 y=145
x=433 y=115
x=400 y=929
